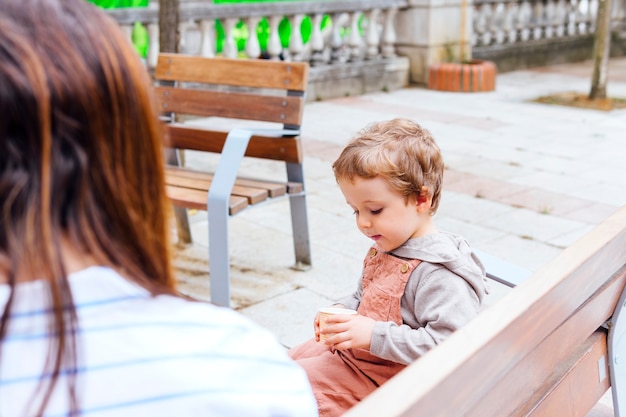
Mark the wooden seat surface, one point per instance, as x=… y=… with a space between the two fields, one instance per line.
x=189 y=188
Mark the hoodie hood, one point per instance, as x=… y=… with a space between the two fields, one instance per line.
x=451 y=251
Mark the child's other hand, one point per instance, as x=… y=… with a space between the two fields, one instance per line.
x=350 y=332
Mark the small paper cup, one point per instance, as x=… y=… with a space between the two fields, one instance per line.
x=330 y=311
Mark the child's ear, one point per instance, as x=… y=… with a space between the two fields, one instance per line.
x=424 y=200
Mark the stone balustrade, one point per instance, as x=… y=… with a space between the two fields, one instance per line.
x=358 y=30
x=357 y=46
x=524 y=33
x=497 y=22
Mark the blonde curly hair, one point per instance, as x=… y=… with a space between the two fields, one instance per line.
x=399 y=151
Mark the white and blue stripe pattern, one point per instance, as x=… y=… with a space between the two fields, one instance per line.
x=149 y=356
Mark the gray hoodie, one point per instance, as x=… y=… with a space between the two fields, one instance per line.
x=444 y=292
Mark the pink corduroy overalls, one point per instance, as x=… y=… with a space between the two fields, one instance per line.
x=340 y=379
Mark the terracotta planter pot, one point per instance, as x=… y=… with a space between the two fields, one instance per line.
x=473 y=76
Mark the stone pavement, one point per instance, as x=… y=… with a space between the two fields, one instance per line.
x=523 y=181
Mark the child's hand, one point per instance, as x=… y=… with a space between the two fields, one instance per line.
x=316 y=322
x=350 y=331
x=316 y=326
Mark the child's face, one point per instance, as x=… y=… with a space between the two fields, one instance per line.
x=383 y=214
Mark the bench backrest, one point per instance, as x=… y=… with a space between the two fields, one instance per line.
x=243 y=89
x=540 y=350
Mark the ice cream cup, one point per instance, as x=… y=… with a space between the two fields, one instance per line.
x=330 y=311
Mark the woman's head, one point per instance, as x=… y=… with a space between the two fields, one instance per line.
x=401 y=152
x=80 y=163
x=80 y=152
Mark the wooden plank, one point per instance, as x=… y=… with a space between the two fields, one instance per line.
x=257 y=73
x=469 y=365
x=194 y=199
x=273 y=188
x=277 y=109
x=288 y=149
x=538 y=365
x=254 y=195
x=294 y=187
x=581 y=384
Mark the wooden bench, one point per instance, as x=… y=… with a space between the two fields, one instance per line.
x=541 y=350
x=240 y=107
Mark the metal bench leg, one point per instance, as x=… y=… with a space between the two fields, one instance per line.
x=617 y=356
x=299 y=219
x=180 y=213
x=217 y=205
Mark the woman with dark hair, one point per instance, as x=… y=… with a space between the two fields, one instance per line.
x=91 y=322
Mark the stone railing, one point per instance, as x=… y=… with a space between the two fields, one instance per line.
x=514 y=21
x=517 y=34
x=358 y=29
x=357 y=46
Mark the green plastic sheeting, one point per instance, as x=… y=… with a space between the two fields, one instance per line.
x=141 y=40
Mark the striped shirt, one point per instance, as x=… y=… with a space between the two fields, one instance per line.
x=141 y=355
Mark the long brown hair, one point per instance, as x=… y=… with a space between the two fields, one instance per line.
x=80 y=159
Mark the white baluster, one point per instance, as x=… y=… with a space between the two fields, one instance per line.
x=389 y=33
x=524 y=21
x=485 y=12
x=572 y=16
x=317 y=40
x=373 y=37
x=509 y=26
x=274 y=47
x=127 y=28
x=153 y=45
x=193 y=38
x=477 y=28
x=561 y=18
x=253 y=49
x=583 y=23
x=338 y=48
x=207 y=38
x=549 y=13
x=355 y=42
x=592 y=10
x=537 y=21
x=230 y=46
x=295 y=42
x=498 y=23
x=182 y=38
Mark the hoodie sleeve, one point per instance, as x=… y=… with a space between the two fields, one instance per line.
x=443 y=302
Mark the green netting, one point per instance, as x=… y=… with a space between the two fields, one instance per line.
x=113 y=4
x=241 y=31
x=140 y=33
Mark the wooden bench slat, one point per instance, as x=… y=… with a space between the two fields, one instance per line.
x=226 y=71
x=195 y=199
x=254 y=195
x=576 y=386
x=286 y=149
x=273 y=189
x=277 y=109
x=536 y=367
